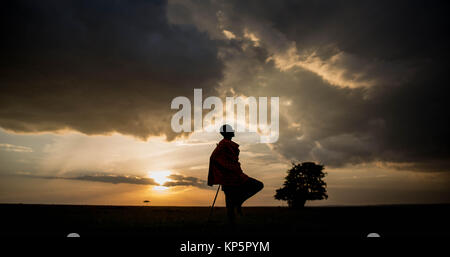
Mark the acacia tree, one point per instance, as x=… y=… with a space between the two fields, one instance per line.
x=303 y=182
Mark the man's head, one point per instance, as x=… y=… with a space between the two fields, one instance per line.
x=227 y=131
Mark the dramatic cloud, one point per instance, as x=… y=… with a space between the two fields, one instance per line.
x=359 y=81
x=98 y=66
x=116 y=179
x=176 y=179
x=180 y=180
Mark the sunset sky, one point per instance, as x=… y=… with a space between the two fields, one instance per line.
x=86 y=89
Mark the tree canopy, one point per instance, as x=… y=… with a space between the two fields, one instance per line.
x=303 y=182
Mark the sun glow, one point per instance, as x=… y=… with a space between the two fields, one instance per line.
x=160 y=177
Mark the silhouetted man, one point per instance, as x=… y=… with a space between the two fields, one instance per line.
x=225 y=170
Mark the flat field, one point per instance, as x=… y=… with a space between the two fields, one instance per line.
x=257 y=222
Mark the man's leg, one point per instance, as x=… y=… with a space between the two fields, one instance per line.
x=230 y=201
x=247 y=190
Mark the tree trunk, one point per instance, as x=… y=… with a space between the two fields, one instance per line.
x=297 y=204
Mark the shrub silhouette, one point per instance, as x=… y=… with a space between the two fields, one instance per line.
x=303 y=182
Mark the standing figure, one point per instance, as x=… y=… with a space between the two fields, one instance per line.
x=225 y=170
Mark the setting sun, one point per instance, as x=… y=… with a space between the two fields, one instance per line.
x=160 y=177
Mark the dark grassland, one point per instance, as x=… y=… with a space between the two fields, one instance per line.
x=191 y=222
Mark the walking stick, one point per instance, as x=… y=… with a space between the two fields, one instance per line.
x=212 y=206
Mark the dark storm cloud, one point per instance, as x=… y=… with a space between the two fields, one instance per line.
x=389 y=103
x=369 y=83
x=403 y=120
x=98 y=66
x=386 y=30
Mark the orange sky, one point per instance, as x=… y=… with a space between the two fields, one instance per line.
x=68 y=154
